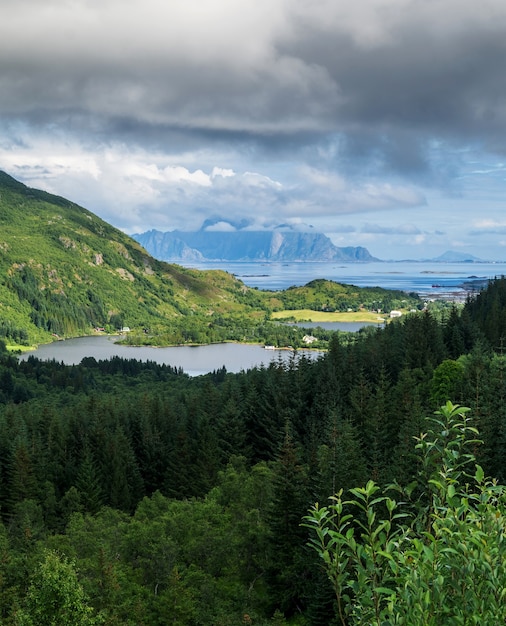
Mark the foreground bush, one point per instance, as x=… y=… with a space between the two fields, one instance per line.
x=435 y=554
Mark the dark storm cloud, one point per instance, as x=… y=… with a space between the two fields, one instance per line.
x=428 y=68
x=425 y=72
x=158 y=113
x=389 y=75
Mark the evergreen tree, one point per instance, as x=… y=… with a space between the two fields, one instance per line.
x=341 y=462
x=123 y=479
x=231 y=430
x=88 y=484
x=151 y=440
x=447 y=382
x=411 y=400
x=454 y=334
x=262 y=426
x=424 y=345
x=22 y=483
x=288 y=573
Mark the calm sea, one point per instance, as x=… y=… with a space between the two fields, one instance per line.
x=428 y=279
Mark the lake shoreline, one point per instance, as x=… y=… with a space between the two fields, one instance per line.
x=323 y=317
x=26 y=350
x=192 y=360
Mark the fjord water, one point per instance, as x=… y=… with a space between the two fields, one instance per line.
x=426 y=278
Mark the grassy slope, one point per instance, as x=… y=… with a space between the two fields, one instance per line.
x=74 y=256
x=305 y=315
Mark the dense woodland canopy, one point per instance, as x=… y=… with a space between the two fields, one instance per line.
x=164 y=499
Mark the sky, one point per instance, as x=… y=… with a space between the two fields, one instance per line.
x=381 y=123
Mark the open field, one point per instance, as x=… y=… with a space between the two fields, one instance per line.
x=305 y=315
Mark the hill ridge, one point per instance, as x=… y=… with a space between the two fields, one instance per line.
x=65 y=271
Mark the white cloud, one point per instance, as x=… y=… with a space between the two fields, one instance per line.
x=223 y=172
x=222 y=227
x=398 y=229
x=419 y=239
x=177 y=174
x=323 y=179
x=489 y=224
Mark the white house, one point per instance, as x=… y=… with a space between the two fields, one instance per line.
x=309 y=339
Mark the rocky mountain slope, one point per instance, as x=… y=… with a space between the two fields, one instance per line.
x=243 y=245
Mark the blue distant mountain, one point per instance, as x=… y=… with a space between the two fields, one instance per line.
x=450 y=256
x=243 y=245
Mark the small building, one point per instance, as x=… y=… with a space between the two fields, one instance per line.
x=309 y=339
x=395 y=313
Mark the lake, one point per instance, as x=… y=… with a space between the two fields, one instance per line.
x=428 y=279
x=195 y=360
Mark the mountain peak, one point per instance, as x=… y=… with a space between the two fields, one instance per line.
x=246 y=245
x=452 y=256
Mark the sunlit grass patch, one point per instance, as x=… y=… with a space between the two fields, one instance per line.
x=304 y=315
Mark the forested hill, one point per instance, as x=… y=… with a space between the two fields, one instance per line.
x=64 y=271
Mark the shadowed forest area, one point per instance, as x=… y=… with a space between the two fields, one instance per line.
x=164 y=499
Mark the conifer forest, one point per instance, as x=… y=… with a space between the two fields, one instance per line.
x=133 y=494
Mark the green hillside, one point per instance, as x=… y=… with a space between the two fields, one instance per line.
x=64 y=272
x=327 y=295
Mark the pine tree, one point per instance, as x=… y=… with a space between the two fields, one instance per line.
x=124 y=483
x=341 y=462
x=231 y=430
x=22 y=483
x=288 y=572
x=454 y=334
x=410 y=396
x=88 y=484
x=262 y=425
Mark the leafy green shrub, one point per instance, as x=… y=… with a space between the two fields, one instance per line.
x=439 y=559
x=55 y=596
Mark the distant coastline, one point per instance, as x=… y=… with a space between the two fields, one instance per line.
x=429 y=279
